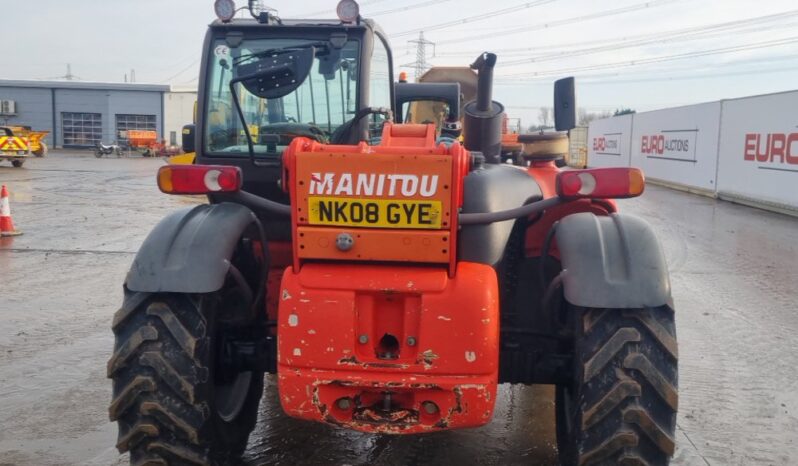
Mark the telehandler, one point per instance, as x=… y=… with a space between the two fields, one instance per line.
x=389 y=280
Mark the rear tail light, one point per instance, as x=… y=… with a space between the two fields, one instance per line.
x=600 y=183
x=199 y=179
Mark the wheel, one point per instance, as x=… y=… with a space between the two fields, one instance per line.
x=620 y=407
x=176 y=396
x=42 y=151
x=17 y=163
x=98 y=153
x=118 y=151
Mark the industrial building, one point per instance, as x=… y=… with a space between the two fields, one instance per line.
x=80 y=114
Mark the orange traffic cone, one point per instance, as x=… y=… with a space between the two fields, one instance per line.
x=6 y=224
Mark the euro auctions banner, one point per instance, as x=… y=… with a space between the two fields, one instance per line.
x=608 y=142
x=678 y=145
x=759 y=149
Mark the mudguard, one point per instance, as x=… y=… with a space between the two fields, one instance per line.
x=189 y=251
x=491 y=189
x=612 y=262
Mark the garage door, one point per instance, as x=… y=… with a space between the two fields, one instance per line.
x=81 y=129
x=125 y=122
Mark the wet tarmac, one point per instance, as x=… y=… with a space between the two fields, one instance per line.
x=733 y=272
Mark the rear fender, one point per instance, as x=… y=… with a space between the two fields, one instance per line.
x=189 y=251
x=612 y=261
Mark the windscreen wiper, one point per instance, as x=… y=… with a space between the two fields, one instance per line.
x=240 y=60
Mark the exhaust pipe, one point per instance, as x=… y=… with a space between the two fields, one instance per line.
x=484 y=116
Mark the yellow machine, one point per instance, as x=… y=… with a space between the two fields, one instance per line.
x=35 y=142
x=13 y=148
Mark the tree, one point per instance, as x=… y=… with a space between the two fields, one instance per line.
x=584 y=117
x=544 y=116
x=623 y=111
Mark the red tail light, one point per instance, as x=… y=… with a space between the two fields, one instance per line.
x=606 y=183
x=198 y=179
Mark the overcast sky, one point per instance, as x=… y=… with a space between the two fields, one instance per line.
x=624 y=53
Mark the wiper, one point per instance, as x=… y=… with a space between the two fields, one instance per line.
x=285 y=72
x=279 y=51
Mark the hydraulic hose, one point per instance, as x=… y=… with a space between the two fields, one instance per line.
x=259 y=203
x=483 y=218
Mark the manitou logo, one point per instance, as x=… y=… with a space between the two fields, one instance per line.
x=372 y=184
x=771 y=147
x=659 y=144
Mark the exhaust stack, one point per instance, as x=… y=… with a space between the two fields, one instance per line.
x=483 y=116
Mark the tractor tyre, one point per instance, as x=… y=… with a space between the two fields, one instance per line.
x=174 y=399
x=17 y=163
x=41 y=151
x=620 y=407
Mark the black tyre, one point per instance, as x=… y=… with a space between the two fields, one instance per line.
x=98 y=153
x=621 y=405
x=175 y=401
x=17 y=163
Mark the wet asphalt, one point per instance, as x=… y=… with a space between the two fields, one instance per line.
x=733 y=272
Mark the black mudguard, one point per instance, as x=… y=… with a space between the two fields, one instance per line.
x=491 y=189
x=612 y=262
x=189 y=251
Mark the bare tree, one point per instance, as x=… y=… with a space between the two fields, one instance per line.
x=584 y=117
x=544 y=116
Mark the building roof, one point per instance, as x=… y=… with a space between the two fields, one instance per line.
x=85 y=85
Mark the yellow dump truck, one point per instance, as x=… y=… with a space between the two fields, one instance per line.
x=35 y=139
x=13 y=147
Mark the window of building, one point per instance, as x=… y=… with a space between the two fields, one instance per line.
x=127 y=122
x=172 y=138
x=81 y=129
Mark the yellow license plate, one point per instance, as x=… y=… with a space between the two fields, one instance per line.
x=374 y=213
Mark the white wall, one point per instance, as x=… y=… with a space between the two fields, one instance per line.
x=758 y=155
x=178 y=111
x=678 y=145
x=608 y=142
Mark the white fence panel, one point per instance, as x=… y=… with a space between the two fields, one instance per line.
x=678 y=145
x=759 y=149
x=608 y=142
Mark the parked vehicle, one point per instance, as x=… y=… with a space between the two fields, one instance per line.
x=101 y=149
x=390 y=286
x=35 y=139
x=13 y=148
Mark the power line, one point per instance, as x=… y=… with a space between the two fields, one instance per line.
x=645 y=61
x=475 y=18
x=657 y=73
x=700 y=32
x=561 y=22
x=181 y=71
x=408 y=7
x=331 y=11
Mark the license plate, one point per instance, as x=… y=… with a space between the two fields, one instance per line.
x=374 y=213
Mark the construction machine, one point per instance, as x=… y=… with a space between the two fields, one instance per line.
x=13 y=147
x=389 y=280
x=35 y=139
